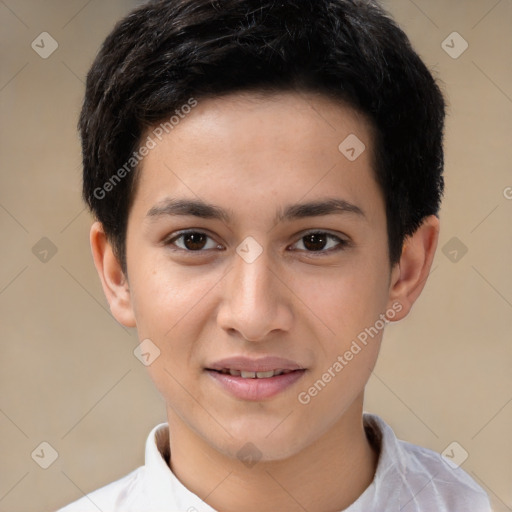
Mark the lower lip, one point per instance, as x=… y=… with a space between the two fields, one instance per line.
x=256 y=389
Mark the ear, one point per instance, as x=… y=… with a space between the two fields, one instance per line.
x=410 y=274
x=114 y=282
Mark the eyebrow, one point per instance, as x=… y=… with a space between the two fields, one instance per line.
x=198 y=208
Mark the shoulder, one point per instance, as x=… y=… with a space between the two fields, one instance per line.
x=109 y=497
x=429 y=478
x=422 y=478
x=128 y=492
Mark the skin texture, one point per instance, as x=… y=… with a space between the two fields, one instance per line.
x=253 y=155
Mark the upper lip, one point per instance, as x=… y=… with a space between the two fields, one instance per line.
x=247 y=364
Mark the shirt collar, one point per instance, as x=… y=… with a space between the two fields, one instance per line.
x=388 y=479
x=165 y=490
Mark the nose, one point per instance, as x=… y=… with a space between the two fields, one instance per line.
x=256 y=304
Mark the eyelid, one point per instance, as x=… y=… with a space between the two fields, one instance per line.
x=342 y=242
x=323 y=232
x=169 y=240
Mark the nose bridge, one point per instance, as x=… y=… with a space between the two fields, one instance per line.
x=253 y=283
x=254 y=301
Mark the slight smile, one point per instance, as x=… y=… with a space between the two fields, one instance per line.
x=255 y=379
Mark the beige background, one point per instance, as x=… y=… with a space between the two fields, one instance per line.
x=67 y=372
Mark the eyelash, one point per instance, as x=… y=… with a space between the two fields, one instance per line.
x=342 y=244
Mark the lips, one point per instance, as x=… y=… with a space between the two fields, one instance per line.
x=255 y=379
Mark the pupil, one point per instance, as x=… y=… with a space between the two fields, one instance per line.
x=310 y=243
x=194 y=241
x=313 y=242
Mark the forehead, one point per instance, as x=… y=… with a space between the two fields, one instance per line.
x=301 y=122
x=248 y=149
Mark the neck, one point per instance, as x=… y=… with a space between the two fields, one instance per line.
x=328 y=475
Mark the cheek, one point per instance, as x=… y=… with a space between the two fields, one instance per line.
x=333 y=388
x=166 y=306
x=350 y=304
x=167 y=315
x=164 y=293
x=346 y=299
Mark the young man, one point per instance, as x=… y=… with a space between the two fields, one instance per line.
x=266 y=178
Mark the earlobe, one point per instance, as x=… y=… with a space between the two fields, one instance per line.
x=114 y=282
x=409 y=276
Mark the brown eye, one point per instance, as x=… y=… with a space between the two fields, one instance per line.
x=320 y=242
x=315 y=241
x=193 y=241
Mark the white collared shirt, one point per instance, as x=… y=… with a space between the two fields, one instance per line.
x=408 y=478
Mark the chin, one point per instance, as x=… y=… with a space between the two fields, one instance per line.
x=262 y=443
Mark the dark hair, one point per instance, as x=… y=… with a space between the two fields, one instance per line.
x=166 y=52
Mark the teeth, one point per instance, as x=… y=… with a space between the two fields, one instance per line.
x=265 y=375
x=261 y=375
x=253 y=375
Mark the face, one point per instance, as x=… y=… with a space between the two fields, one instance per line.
x=255 y=245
